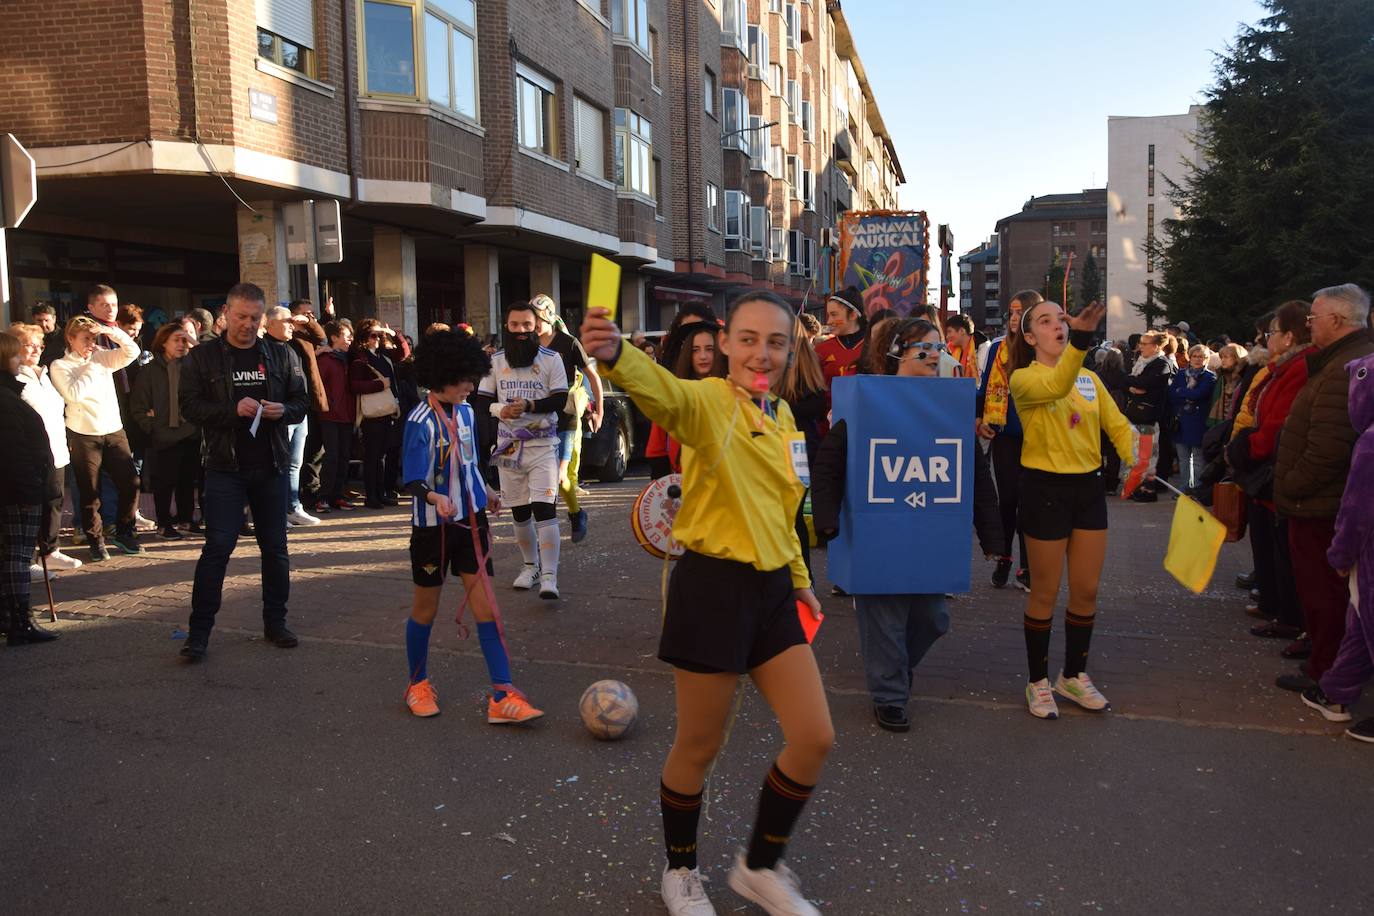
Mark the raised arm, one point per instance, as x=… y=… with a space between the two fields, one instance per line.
x=117 y=359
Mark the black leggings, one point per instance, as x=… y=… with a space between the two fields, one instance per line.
x=542 y=512
x=338 y=452
x=376 y=455
x=1006 y=470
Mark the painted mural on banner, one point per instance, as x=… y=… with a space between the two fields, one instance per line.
x=886 y=255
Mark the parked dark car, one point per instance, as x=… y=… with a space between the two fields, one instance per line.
x=608 y=452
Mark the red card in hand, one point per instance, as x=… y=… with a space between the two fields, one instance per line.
x=810 y=625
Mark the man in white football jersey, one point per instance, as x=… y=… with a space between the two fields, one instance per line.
x=525 y=391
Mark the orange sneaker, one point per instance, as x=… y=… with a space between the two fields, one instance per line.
x=422 y=699
x=515 y=708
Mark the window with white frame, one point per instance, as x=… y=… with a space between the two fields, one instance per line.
x=775 y=6
x=775 y=78
x=809 y=262
x=793 y=29
x=630 y=19
x=758 y=52
x=794 y=251
x=389 y=48
x=808 y=193
x=776 y=162
x=712 y=207
x=737 y=213
x=777 y=244
x=794 y=177
x=793 y=100
x=734 y=22
x=734 y=118
x=708 y=91
x=653 y=57
x=807 y=117
x=536 y=99
x=634 y=152
x=451 y=55
x=589 y=126
x=760 y=224
x=758 y=144
x=286 y=34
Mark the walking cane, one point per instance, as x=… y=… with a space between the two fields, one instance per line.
x=52 y=608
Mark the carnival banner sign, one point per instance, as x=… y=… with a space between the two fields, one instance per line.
x=886 y=256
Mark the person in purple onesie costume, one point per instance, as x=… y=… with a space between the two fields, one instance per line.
x=1352 y=553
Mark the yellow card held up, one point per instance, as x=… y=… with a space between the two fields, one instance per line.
x=603 y=290
x=1195 y=540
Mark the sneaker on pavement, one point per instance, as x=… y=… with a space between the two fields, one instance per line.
x=1362 y=730
x=1081 y=690
x=1040 y=699
x=343 y=505
x=583 y=491
x=99 y=553
x=513 y=708
x=1314 y=698
x=528 y=578
x=1246 y=580
x=422 y=700
x=143 y=524
x=1023 y=579
x=776 y=889
x=1002 y=573
x=127 y=542
x=301 y=518
x=548 y=586
x=891 y=718
x=168 y=533
x=59 y=560
x=683 y=893
x=36 y=573
x=579 y=525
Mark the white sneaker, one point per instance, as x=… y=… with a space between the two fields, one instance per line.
x=683 y=893
x=1041 y=700
x=59 y=560
x=528 y=578
x=36 y=573
x=548 y=586
x=1080 y=689
x=301 y=518
x=777 y=889
x=143 y=524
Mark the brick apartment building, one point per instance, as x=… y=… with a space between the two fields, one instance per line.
x=980 y=288
x=1061 y=224
x=480 y=151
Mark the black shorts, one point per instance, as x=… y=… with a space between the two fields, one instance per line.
x=432 y=549
x=1051 y=506
x=727 y=616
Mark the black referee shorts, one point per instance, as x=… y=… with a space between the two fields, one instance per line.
x=441 y=548
x=1052 y=506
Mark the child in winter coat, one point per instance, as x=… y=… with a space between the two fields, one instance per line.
x=1352 y=553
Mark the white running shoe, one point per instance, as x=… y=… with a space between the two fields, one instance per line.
x=528 y=578
x=683 y=893
x=548 y=586
x=1041 y=700
x=59 y=560
x=776 y=889
x=300 y=518
x=36 y=573
x=143 y=524
x=1080 y=689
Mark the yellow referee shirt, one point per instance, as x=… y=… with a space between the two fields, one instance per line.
x=741 y=476
x=1064 y=411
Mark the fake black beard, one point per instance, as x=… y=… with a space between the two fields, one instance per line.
x=520 y=348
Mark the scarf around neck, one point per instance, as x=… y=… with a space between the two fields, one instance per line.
x=999 y=387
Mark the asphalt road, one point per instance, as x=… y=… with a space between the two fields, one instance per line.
x=273 y=781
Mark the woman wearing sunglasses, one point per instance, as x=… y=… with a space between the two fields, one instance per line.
x=1063 y=507
x=895 y=631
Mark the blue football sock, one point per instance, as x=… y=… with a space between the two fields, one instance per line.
x=498 y=665
x=417 y=650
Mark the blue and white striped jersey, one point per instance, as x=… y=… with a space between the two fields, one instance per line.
x=425 y=452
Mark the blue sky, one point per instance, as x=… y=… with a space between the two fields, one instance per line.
x=990 y=103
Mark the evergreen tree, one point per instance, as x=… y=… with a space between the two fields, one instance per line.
x=1281 y=201
x=1091 y=288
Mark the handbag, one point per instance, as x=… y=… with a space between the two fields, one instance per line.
x=1230 y=506
x=378 y=404
x=1141 y=410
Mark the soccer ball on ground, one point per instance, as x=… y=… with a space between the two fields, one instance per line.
x=609 y=709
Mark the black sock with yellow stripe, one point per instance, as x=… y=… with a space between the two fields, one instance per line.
x=780 y=804
x=1078 y=633
x=1037 y=647
x=680 y=816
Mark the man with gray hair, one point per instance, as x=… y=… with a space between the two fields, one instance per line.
x=1309 y=477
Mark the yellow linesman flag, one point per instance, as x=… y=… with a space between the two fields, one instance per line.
x=1195 y=540
x=603 y=288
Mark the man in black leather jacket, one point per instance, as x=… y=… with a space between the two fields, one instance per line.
x=243 y=390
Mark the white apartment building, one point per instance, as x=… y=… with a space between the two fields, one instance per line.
x=1143 y=155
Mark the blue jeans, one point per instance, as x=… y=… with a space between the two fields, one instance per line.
x=222 y=503
x=1190 y=463
x=895 y=632
x=295 y=440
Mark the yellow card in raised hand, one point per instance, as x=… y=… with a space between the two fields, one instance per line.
x=603 y=290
